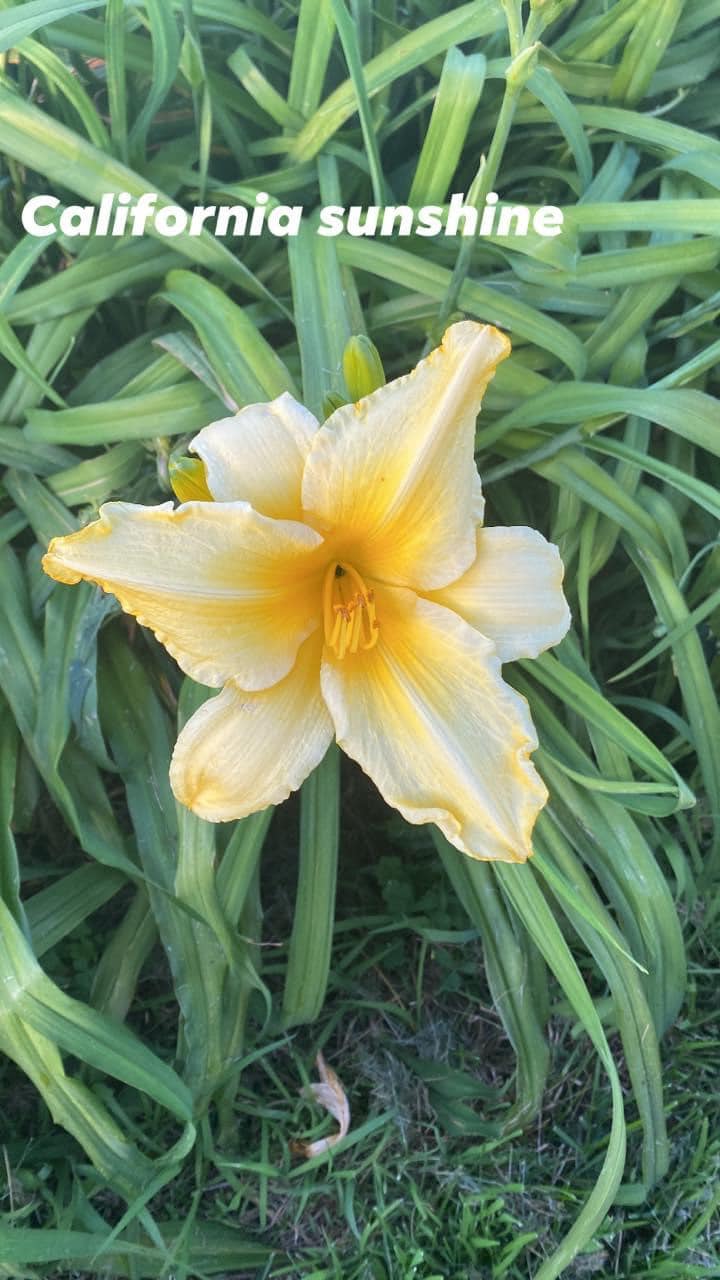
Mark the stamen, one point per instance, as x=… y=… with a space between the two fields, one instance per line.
x=334 y=638
x=356 y=627
x=373 y=626
x=349 y=619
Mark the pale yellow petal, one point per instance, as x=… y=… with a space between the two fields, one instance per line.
x=512 y=592
x=428 y=716
x=258 y=456
x=229 y=592
x=242 y=751
x=478 y=498
x=394 y=474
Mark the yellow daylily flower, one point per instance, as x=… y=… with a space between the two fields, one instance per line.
x=341 y=584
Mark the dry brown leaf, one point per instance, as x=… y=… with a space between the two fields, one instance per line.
x=329 y=1094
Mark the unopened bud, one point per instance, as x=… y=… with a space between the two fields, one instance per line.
x=187 y=477
x=362 y=367
x=522 y=67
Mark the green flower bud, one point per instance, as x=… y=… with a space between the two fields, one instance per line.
x=522 y=67
x=187 y=477
x=362 y=367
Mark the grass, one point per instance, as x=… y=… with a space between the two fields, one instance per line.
x=419 y=1194
x=528 y=1056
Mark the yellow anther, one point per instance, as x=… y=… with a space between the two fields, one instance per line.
x=348 y=611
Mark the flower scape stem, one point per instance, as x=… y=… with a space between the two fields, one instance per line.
x=314 y=916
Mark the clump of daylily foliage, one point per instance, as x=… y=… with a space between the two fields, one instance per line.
x=244 y=1036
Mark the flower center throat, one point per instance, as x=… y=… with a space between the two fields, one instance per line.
x=348 y=610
